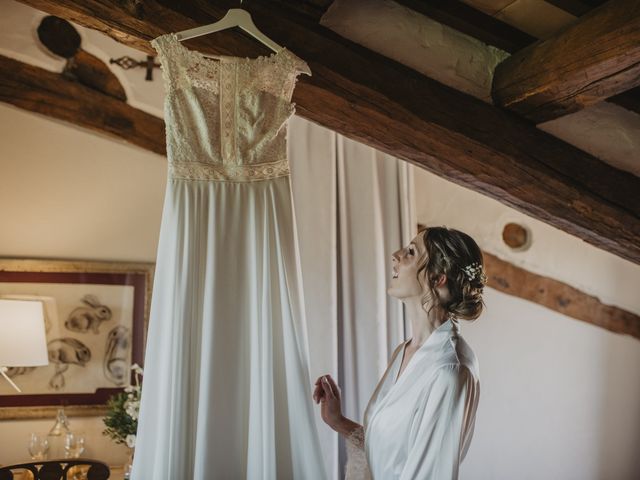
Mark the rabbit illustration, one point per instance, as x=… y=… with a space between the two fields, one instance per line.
x=83 y=319
x=64 y=352
x=115 y=364
x=15 y=371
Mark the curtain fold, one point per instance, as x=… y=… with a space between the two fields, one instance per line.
x=354 y=206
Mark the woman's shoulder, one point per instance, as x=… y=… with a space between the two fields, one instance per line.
x=460 y=354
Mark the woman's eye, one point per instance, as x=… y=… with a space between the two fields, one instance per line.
x=411 y=251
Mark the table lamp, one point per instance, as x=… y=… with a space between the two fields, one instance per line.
x=23 y=342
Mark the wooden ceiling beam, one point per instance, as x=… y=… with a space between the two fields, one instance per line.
x=312 y=9
x=370 y=98
x=48 y=93
x=472 y=22
x=629 y=100
x=558 y=296
x=595 y=58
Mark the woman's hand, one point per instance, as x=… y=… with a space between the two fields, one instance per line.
x=327 y=394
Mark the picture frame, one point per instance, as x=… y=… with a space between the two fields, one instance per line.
x=96 y=316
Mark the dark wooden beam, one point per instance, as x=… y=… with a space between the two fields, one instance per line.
x=576 y=7
x=472 y=22
x=629 y=99
x=94 y=73
x=559 y=297
x=389 y=106
x=595 y=58
x=48 y=93
x=312 y=9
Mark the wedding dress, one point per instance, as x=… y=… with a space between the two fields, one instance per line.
x=226 y=390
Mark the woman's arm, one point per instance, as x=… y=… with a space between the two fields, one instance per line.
x=327 y=393
x=353 y=433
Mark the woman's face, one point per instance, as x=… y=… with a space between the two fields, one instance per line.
x=405 y=262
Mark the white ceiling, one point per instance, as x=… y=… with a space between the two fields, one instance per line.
x=535 y=17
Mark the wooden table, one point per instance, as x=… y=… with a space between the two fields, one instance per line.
x=117 y=472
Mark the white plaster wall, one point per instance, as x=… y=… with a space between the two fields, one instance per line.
x=605 y=130
x=67 y=192
x=560 y=398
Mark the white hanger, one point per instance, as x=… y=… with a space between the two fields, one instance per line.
x=235 y=17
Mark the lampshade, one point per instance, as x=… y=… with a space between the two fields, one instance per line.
x=22 y=337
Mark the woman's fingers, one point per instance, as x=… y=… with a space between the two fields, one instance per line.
x=327 y=387
x=334 y=386
x=317 y=393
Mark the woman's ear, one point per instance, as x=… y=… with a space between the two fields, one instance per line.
x=440 y=281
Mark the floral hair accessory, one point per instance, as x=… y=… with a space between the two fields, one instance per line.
x=474 y=270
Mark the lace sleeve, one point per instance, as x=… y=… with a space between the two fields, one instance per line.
x=357 y=466
x=167 y=58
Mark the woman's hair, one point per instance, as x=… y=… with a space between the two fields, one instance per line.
x=451 y=252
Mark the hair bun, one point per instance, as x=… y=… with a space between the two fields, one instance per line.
x=459 y=257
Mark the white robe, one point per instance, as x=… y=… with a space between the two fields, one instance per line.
x=420 y=427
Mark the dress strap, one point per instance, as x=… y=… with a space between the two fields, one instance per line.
x=169 y=59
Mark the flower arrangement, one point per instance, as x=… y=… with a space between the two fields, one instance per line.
x=122 y=416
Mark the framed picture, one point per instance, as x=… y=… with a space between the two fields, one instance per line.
x=96 y=318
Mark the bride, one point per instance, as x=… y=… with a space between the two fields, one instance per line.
x=419 y=421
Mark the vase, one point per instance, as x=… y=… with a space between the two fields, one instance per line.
x=57 y=435
x=129 y=464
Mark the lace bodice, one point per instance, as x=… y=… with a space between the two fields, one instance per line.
x=226 y=119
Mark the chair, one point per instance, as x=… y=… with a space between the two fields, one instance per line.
x=65 y=469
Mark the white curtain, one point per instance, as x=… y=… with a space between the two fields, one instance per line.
x=353 y=208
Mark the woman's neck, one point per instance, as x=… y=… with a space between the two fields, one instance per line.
x=422 y=324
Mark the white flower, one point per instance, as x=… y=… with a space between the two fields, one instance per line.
x=132 y=407
x=131 y=441
x=472 y=270
x=136 y=368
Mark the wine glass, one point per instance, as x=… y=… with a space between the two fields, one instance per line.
x=73 y=445
x=38 y=446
